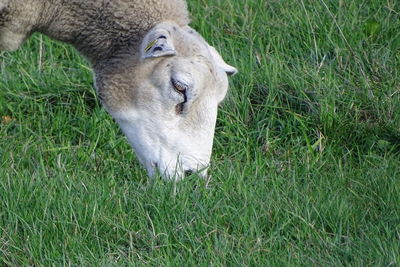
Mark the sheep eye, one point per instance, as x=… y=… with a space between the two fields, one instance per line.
x=180 y=88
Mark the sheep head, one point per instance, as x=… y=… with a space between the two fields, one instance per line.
x=162 y=85
x=165 y=99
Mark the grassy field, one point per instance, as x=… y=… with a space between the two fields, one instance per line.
x=306 y=157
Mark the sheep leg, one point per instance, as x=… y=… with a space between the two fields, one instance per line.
x=17 y=18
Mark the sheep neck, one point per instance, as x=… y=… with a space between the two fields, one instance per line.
x=101 y=29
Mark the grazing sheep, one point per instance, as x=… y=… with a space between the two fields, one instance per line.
x=155 y=75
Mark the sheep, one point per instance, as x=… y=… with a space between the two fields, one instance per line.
x=154 y=74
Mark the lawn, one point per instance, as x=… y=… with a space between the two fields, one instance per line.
x=305 y=168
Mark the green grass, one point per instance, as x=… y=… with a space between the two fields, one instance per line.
x=305 y=164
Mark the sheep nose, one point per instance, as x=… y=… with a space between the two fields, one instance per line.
x=188 y=173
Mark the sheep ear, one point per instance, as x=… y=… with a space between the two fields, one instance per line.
x=230 y=71
x=157 y=43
